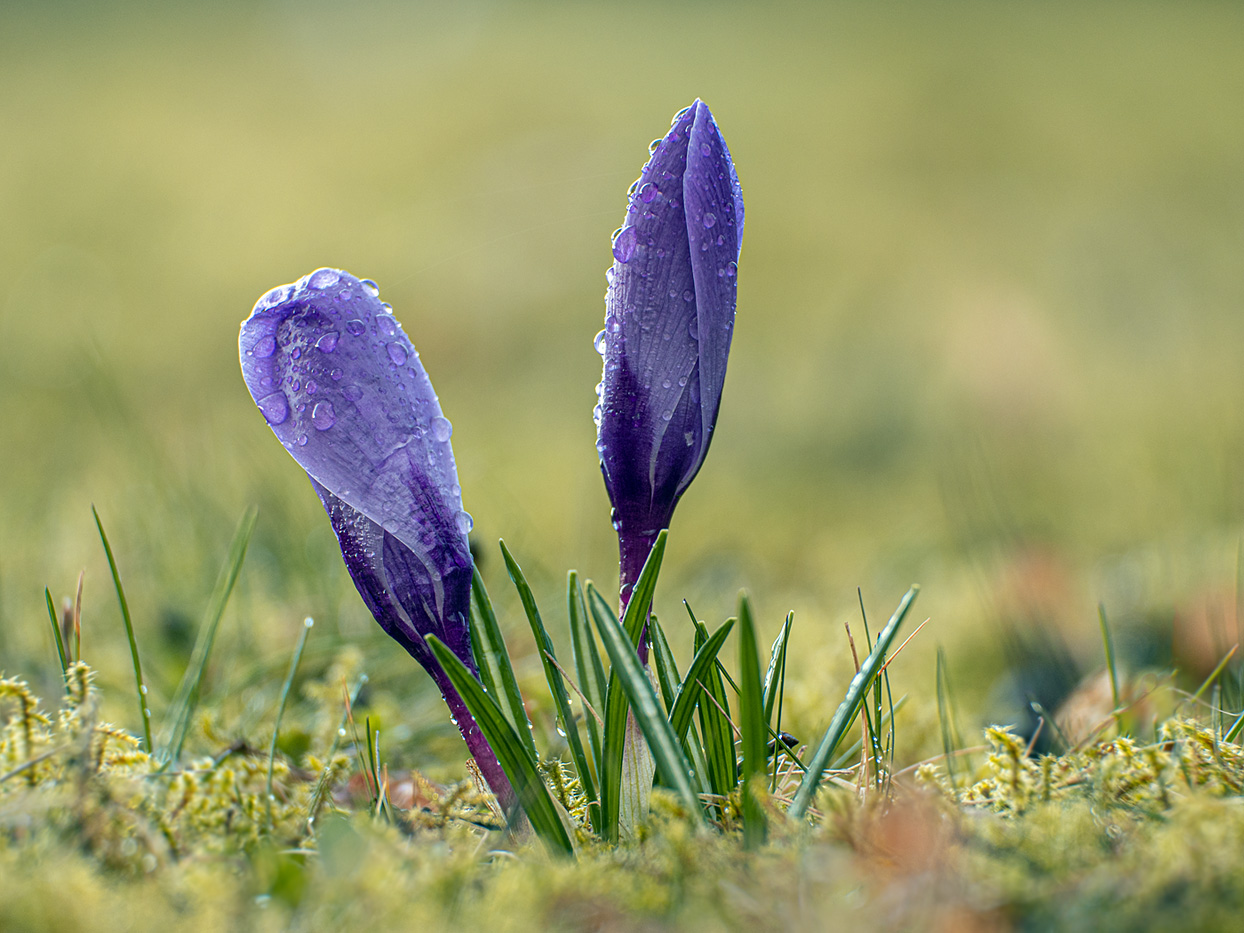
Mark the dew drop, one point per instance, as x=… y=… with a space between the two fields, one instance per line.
x=312 y=387
x=688 y=295
x=709 y=219
x=689 y=437
x=704 y=247
x=356 y=327
x=302 y=440
x=667 y=415
x=372 y=288
x=693 y=329
x=264 y=347
x=732 y=269
x=596 y=415
x=324 y=278
x=327 y=342
x=465 y=522
x=323 y=416
x=682 y=381
x=647 y=192
x=441 y=428
x=599 y=343
x=336 y=374
x=652 y=146
x=275 y=407
x=397 y=353
x=706 y=149
x=660 y=253
x=624 y=245
x=352 y=393
x=666 y=384
x=386 y=324
x=295 y=353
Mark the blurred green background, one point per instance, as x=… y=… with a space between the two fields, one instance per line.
x=989 y=334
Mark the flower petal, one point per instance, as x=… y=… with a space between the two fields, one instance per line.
x=668 y=321
x=342 y=387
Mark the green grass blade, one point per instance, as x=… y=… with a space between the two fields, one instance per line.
x=715 y=723
x=60 y=642
x=488 y=648
x=1108 y=642
x=280 y=709
x=848 y=707
x=181 y=711
x=617 y=702
x=775 y=676
x=688 y=693
x=752 y=726
x=129 y=633
x=586 y=661
x=945 y=716
x=671 y=764
x=557 y=687
x=668 y=677
x=512 y=752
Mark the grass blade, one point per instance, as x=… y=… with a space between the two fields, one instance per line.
x=60 y=643
x=775 y=676
x=280 y=709
x=945 y=715
x=663 y=659
x=493 y=660
x=626 y=671
x=586 y=661
x=557 y=687
x=752 y=725
x=715 y=722
x=848 y=707
x=129 y=633
x=512 y=752
x=181 y=712
x=1108 y=642
x=688 y=693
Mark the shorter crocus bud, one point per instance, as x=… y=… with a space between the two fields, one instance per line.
x=343 y=389
x=669 y=315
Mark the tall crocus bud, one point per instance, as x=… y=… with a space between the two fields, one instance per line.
x=342 y=388
x=669 y=314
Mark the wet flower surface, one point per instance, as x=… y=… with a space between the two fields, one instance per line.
x=343 y=389
x=669 y=317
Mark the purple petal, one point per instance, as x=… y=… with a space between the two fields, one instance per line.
x=342 y=387
x=669 y=314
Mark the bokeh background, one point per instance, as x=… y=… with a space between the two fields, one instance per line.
x=990 y=331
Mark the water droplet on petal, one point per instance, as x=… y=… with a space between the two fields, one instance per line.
x=264 y=347
x=356 y=327
x=666 y=384
x=302 y=440
x=600 y=388
x=682 y=381
x=327 y=342
x=312 y=387
x=693 y=329
x=372 y=288
x=465 y=522
x=667 y=415
x=706 y=149
x=647 y=192
x=441 y=428
x=596 y=415
x=324 y=278
x=689 y=437
x=397 y=353
x=599 y=343
x=275 y=408
x=688 y=295
x=709 y=219
x=731 y=269
x=387 y=325
x=624 y=245
x=323 y=416
x=352 y=393
x=295 y=353
x=336 y=374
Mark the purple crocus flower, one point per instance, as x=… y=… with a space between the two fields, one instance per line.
x=342 y=388
x=669 y=314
